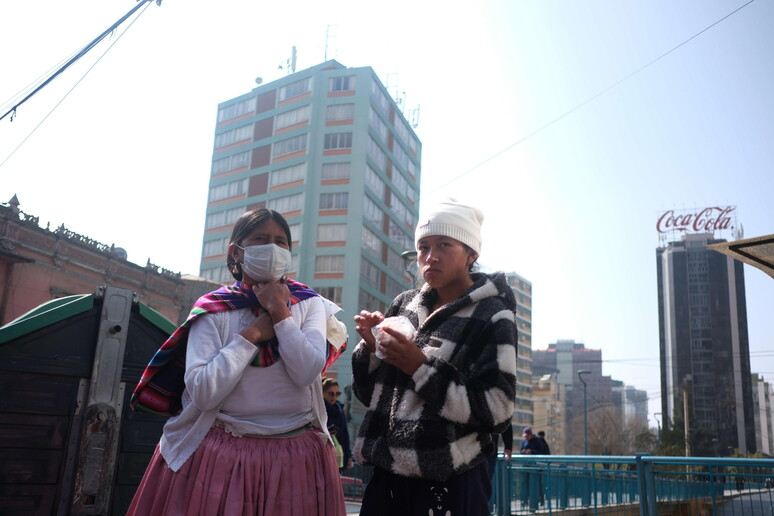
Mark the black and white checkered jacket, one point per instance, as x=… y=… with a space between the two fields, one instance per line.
x=439 y=422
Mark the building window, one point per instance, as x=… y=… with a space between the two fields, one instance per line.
x=295 y=232
x=376 y=154
x=233 y=136
x=331 y=232
x=330 y=263
x=287 y=204
x=379 y=98
x=334 y=201
x=413 y=145
x=294 y=89
x=294 y=117
x=401 y=158
x=400 y=182
x=401 y=130
x=372 y=212
x=344 y=83
x=287 y=175
x=401 y=211
x=368 y=302
x=215 y=247
x=399 y=236
x=236 y=110
x=289 y=146
x=374 y=182
x=412 y=195
x=331 y=293
x=375 y=123
x=218 y=275
x=223 y=218
x=395 y=261
x=339 y=112
x=393 y=288
x=370 y=273
x=331 y=171
x=338 y=141
x=371 y=242
x=227 y=190
x=229 y=163
x=412 y=169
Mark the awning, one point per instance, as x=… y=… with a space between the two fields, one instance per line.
x=758 y=252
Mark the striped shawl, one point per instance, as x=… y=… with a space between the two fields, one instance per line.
x=161 y=386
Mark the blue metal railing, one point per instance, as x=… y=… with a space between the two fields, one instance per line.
x=641 y=485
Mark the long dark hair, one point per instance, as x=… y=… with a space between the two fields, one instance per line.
x=245 y=225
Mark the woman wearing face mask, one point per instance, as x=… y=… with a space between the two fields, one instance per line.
x=248 y=435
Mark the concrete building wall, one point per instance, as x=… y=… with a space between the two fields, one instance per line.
x=38 y=264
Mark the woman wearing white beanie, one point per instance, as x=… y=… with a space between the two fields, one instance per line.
x=435 y=400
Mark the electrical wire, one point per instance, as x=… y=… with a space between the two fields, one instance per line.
x=79 y=55
x=34 y=129
x=588 y=100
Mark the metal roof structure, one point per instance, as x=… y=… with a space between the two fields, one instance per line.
x=758 y=252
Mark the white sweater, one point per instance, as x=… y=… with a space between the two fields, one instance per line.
x=221 y=384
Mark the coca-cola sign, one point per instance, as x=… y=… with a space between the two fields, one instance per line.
x=706 y=220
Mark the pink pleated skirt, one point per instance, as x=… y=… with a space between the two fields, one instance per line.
x=245 y=476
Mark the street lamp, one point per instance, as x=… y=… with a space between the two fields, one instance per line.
x=585 y=412
x=409 y=260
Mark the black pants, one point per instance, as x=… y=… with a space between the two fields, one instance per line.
x=466 y=494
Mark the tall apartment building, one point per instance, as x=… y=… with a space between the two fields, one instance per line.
x=567 y=358
x=523 y=415
x=549 y=404
x=631 y=405
x=763 y=397
x=329 y=149
x=704 y=351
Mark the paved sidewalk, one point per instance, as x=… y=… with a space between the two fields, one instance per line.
x=353 y=509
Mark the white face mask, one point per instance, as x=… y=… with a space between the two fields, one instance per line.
x=268 y=262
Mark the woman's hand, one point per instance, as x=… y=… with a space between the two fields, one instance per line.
x=261 y=329
x=400 y=351
x=273 y=297
x=364 y=322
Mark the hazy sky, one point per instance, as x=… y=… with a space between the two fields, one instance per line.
x=573 y=125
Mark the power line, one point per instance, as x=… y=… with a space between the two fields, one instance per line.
x=34 y=129
x=588 y=100
x=80 y=54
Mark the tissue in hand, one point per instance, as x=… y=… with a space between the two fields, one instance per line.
x=399 y=323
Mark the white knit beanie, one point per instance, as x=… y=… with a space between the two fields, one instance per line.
x=454 y=220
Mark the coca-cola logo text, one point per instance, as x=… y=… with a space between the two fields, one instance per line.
x=706 y=220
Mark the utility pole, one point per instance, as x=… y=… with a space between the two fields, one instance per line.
x=686 y=417
x=585 y=413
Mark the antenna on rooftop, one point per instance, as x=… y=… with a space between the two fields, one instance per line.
x=290 y=63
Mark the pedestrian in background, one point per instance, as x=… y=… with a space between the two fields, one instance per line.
x=337 y=420
x=435 y=400
x=532 y=485
x=542 y=436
